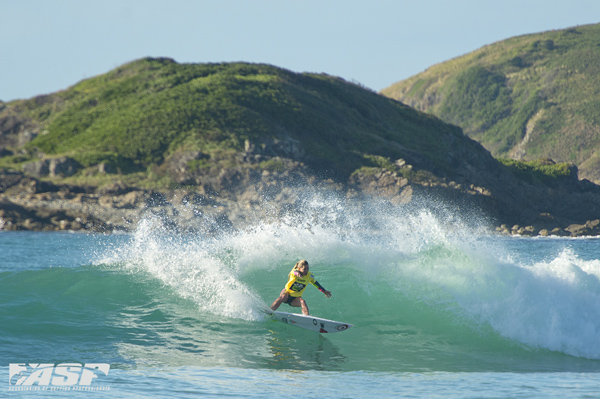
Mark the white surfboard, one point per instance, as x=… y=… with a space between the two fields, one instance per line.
x=309 y=322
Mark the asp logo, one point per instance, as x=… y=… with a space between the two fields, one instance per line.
x=59 y=375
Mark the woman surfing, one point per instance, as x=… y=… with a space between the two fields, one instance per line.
x=291 y=294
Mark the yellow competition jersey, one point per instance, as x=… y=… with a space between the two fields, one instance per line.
x=297 y=283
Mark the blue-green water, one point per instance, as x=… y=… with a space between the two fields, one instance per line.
x=439 y=308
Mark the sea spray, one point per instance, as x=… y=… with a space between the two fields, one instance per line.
x=422 y=264
x=194 y=266
x=553 y=305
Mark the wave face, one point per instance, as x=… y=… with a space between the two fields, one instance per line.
x=425 y=289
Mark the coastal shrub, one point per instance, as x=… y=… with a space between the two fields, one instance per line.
x=542 y=170
x=512 y=129
x=381 y=162
x=477 y=95
x=273 y=165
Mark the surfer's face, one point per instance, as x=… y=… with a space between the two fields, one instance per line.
x=303 y=270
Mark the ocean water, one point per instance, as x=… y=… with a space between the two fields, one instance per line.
x=439 y=307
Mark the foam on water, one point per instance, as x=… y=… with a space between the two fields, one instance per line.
x=554 y=305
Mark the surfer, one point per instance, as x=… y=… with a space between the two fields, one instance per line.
x=299 y=278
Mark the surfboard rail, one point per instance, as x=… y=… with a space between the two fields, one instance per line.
x=312 y=323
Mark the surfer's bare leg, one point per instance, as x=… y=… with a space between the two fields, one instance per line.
x=299 y=302
x=282 y=298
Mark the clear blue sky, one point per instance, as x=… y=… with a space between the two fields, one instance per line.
x=49 y=45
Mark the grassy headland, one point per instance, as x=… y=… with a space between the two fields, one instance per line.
x=141 y=114
x=527 y=97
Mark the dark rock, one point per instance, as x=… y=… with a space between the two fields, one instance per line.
x=63 y=167
x=37 y=168
x=15 y=128
x=115 y=188
x=131 y=200
x=557 y=231
x=107 y=168
x=9 y=179
x=283 y=146
x=590 y=228
x=34 y=186
x=25 y=136
x=180 y=166
x=156 y=199
x=17 y=217
x=382 y=183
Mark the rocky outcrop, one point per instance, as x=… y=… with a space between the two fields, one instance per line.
x=53 y=167
x=560 y=207
x=180 y=165
x=236 y=196
x=16 y=130
x=382 y=183
x=27 y=203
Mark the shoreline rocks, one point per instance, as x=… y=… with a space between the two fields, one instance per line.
x=27 y=203
x=590 y=228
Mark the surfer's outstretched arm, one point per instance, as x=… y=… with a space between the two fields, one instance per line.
x=323 y=290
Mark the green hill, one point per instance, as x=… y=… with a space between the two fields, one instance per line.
x=246 y=132
x=528 y=97
x=148 y=112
